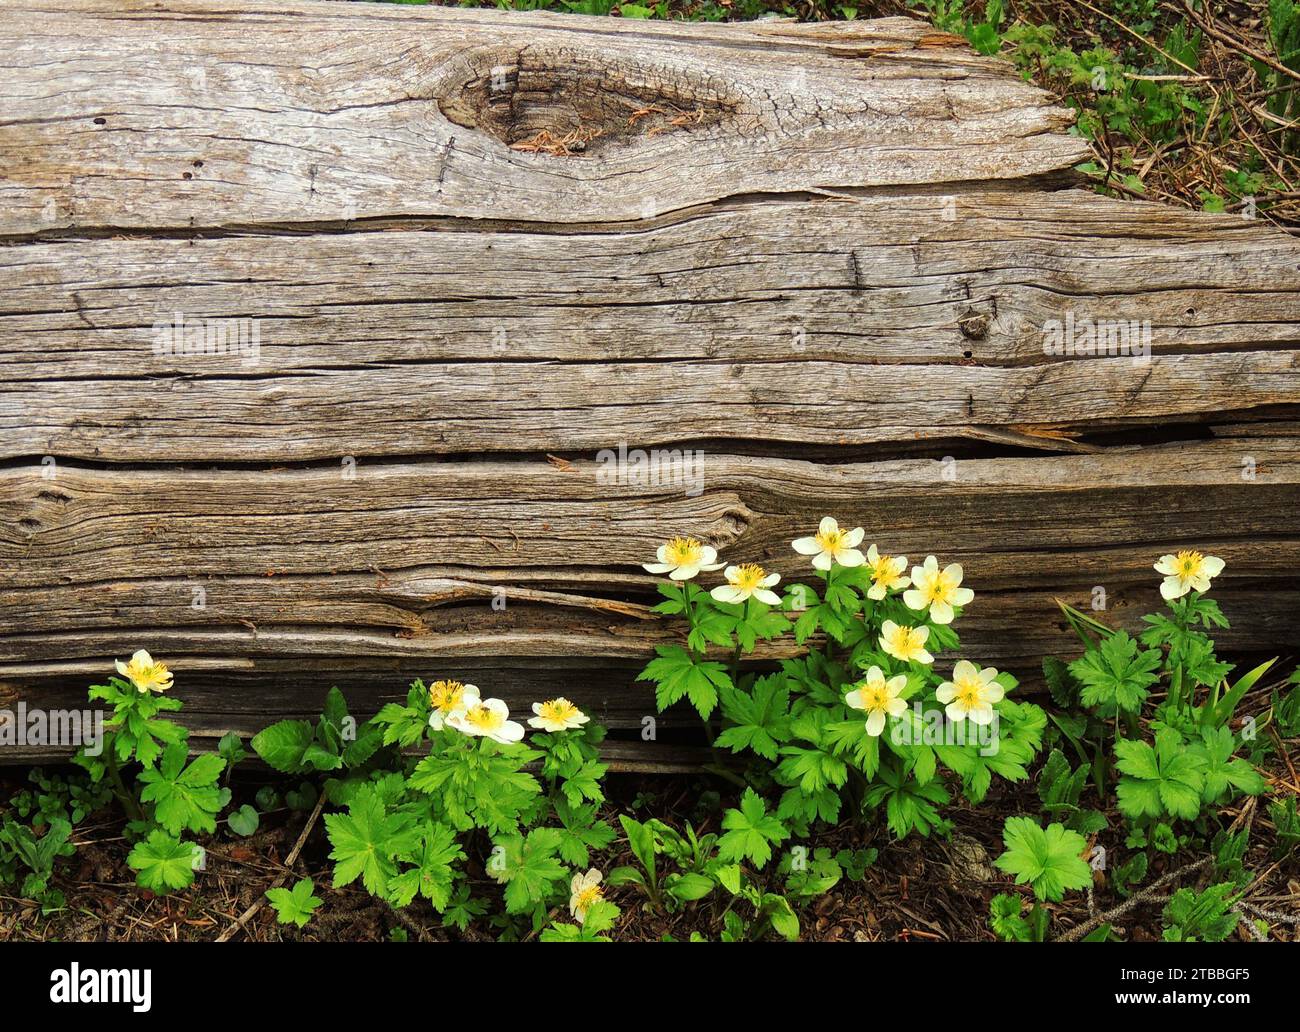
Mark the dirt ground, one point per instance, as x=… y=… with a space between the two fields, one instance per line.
x=916 y=890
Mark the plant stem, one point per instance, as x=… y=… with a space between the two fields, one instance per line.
x=129 y=802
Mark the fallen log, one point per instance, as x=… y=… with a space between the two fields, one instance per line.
x=394 y=353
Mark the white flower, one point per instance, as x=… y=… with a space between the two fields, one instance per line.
x=145 y=672
x=746 y=580
x=905 y=643
x=448 y=697
x=487 y=719
x=879 y=698
x=557 y=715
x=682 y=558
x=831 y=545
x=1187 y=571
x=584 y=890
x=971 y=693
x=888 y=573
x=938 y=590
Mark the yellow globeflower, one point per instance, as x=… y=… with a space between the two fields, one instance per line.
x=487 y=719
x=448 y=697
x=888 y=573
x=557 y=715
x=905 y=643
x=748 y=579
x=145 y=672
x=1187 y=571
x=584 y=890
x=830 y=545
x=937 y=590
x=879 y=698
x=972 y=693
x=682 y=558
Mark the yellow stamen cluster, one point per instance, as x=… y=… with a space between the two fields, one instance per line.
x=560 y=709
x=446 y=695
x=683 y=551
x=484 y=718
x=749 y=576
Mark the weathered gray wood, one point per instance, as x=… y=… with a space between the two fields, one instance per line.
x=398 y=528
x=490 y=341
x=805 y=250
x=180 y=115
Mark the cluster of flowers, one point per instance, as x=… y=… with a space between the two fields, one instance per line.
x=458 y=706
x=929 y=590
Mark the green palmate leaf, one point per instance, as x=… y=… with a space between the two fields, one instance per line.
x=463 y=908
x=530 y=868
x=851 y=736
x=284 y=745
x=759 y=622
x=601 y=916
x=678 y=675
x=1116 y=673
x=909 y=806
x=750 y=832
x=581 y=833
x=1162 y=780
x=1051 y=861
x=479 y=786
x=162 y=862
x=760 y=719
x=712 y=627
x=584 y=783
x=405 y=725
x=1061 y=683
x=295 y=906
x=1005 y=919
x=797 y=806
x=185 y=798
x=365 y=841
x=1020 y=736
x=812 y=770
x=1222 y=772
x=432 y=874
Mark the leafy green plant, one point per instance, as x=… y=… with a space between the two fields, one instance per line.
x=1286 y=823
x=1050 y=860
x=163 y=862
x=1060 y=789
x=862 y=718
x=1170 y=764
x=1206 y=916
x=37 y=853
x=1005 y=919
x=295 y=906
x=409 y=827
x=765 y=910
x=144 y=761
x=693 y=855
x=1283 y=25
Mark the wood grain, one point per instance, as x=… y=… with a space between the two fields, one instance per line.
x=834 y=324
x=179 y=115
x=823 y=258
